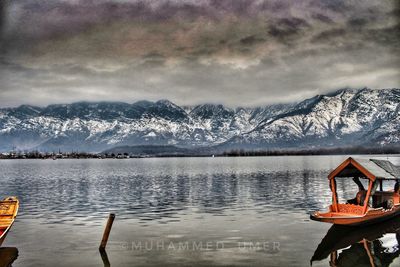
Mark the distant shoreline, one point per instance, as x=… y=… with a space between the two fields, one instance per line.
x=199 y=153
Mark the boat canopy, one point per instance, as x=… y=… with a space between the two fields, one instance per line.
x=367 y=168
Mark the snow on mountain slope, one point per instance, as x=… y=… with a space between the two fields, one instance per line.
x=343 y=117
x=96 y=126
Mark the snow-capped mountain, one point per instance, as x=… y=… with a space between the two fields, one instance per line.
x=97 y=126
x=344 y=117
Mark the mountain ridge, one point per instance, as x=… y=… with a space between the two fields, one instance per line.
x=346 y=116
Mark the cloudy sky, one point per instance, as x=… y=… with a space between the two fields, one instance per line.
x=235 y=52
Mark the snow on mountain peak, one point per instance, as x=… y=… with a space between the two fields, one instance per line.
x=346 y=116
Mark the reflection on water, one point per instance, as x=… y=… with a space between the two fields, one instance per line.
x=374 y=245
x=156 y=190
x=8 y=256
x=104 y=258
x=236 y=201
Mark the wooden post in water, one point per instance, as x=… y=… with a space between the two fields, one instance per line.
x=107 y=231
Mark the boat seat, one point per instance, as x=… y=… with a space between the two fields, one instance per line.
x=383 y=198
x=348 y=209
x=5 y=222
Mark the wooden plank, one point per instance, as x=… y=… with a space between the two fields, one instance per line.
x=339 y=169
x=353 y=162
x=335 y=201
x=371 y=183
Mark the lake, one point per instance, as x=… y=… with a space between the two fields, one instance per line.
x=247 y=211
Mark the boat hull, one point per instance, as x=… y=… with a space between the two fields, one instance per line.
x=372 y=216
x=8 y=212
x=4 y=232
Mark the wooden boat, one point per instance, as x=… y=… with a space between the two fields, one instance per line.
x=8 y=211
x=369 y=206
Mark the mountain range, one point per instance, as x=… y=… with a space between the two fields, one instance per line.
x=364 y=117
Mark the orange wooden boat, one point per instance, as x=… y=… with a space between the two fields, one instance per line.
x=8 y=211
x=369 y=206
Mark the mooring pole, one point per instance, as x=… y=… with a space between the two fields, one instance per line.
x=107 y=231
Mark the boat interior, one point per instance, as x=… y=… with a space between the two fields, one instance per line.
x=380 y=201
x=377 y=194
x=4 y=224
x=8 y=209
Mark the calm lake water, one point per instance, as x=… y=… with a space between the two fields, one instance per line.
x=183 y=212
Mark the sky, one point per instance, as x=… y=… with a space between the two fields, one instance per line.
x=234 y=52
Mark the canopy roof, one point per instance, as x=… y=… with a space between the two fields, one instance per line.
x=368 y=168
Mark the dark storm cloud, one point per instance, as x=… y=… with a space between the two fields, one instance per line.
x=2 y=13
x=2 y=19
x=322 y=18
x=329 y=35
x=240 y=52
x=286 y=28
x=334 y=5
x=182 y=27
x=251 y=40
